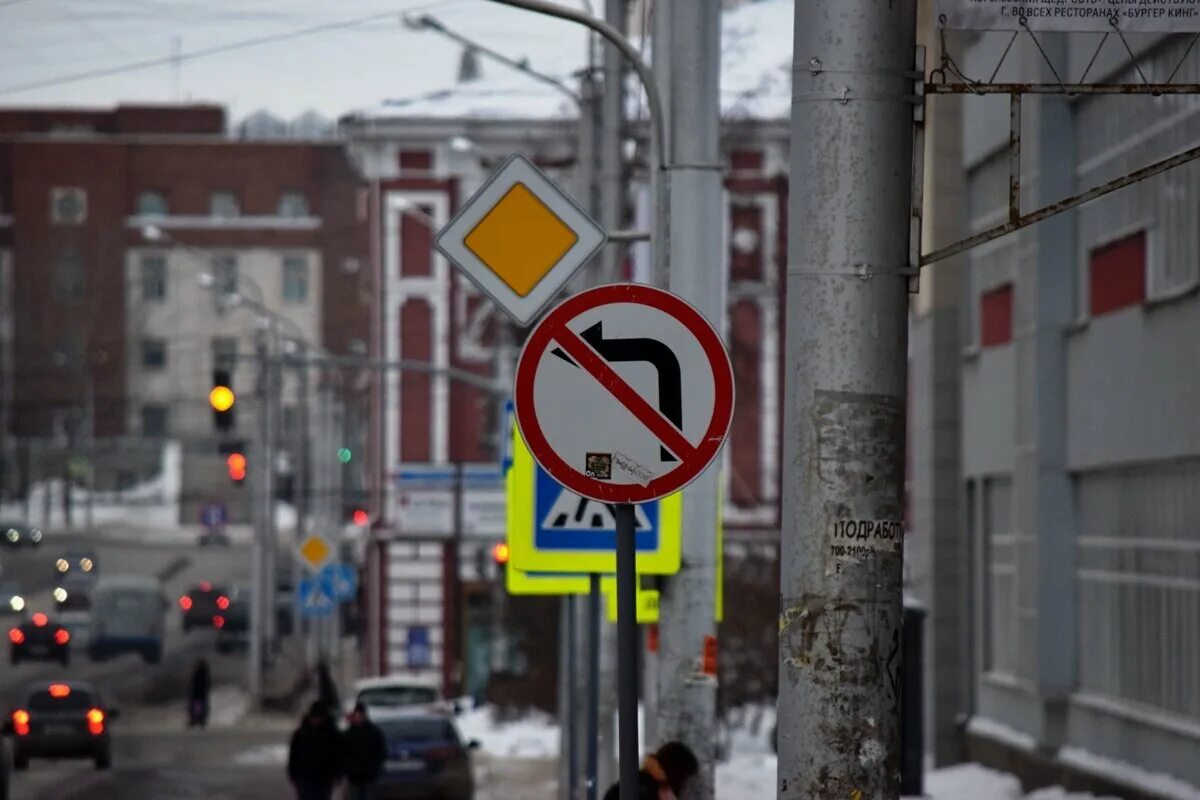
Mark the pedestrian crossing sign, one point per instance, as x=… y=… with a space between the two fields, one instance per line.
x=554 y=530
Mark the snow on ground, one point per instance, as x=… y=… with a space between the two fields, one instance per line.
x=532 y=736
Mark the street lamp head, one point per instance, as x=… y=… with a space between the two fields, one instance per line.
x=153 y=233
x=206 y=280
x=421 y=23
x=461 y=144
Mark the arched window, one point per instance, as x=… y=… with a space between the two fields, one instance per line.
x=152 y=204
x=293 y=205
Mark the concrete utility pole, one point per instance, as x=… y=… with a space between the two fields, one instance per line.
x=687 y=693
x=260 y=502
x=843 y=451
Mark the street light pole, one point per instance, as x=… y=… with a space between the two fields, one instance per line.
x=844 y=414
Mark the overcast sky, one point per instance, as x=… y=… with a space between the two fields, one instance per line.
x=363 y=57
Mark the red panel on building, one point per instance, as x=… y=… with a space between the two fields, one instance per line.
x=416 y=343
x=416 y=242
x=746 y=243
x=996 y=316
x=1117 y=274
x=746 y=160
x=745 y=346
x=415 y=160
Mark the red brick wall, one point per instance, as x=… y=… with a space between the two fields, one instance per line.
x=745 y=348
x=416 y=420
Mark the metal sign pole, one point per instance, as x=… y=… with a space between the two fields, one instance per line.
x=627 y=647
x=593 y=692
x=571 y=685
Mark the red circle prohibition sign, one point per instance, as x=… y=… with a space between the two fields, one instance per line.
x=692 y=457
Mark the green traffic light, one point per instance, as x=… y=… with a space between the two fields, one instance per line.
x=344 y=455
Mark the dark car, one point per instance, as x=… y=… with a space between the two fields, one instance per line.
x=61 y=720
x=17 y=534
x=202 y=604
x=40 y=639
x=12 y=599
x=233 y=624
x=425 y=758
x=74 y=593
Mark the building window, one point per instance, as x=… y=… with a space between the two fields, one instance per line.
x=996 y=316
x=416 y=160
x=154 y=278
x=295 y=279
x=68 y=205
x=152 y=204
x=293 y=205
x=225 y=274
x=1117 y=275
x=68 y=276
x=746 y=160
x=290 y=417
x=224 y=205
x=154 y=420
x=154 y=353
x=224 y=353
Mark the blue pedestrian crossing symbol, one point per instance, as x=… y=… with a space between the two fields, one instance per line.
x=566 y=521
x=339 y=581
x=315 y=601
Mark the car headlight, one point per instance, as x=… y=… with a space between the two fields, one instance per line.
x=85 y=564
x=60 y=594
x=36 y=535
x=13 y=534
x=61 y=565
x=17 y=602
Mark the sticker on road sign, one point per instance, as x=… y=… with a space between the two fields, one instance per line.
x=600 y=393
x=520 y=238
x=553 y=530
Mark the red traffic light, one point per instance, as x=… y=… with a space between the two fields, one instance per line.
x=236 y=462
x=360 y=517
x=500 y=553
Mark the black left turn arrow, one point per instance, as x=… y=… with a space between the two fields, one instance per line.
x=670 y=382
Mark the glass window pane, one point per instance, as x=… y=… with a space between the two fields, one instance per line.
x=225 y=274
x=152 y=204
x=224 y=351
x=224 y=205
x=154 y=278
x=295 y=279
x=293 y=205
x=154 y=353
x=154 y=420
x=68 y=276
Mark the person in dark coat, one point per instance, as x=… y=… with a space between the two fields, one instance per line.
x=364 y=750
x=665 y=775
x=327 y=690
x=314 y=757
x=198 y=696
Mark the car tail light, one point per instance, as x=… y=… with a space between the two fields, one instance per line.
x=40 y=619
x=16 y=635
x=222 y=602
x=444 y=752
x=205 y=586
x=95 y=721
x=218 y=622
x=62 y=636
x=185 y=603
x=20 y=719
x=59 y=690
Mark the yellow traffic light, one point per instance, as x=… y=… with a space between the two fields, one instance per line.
x=221 y=398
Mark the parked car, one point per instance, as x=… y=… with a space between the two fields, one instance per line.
x=74 y=593
x=392 y=692
x=202 y=603
x=18 y=534
x=426 y=757
x=39 y=639
x=128 y=615
x=61 y=720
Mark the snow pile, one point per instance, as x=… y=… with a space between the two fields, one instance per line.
x=1121 y=772
x=266 y=756
x=532 y=736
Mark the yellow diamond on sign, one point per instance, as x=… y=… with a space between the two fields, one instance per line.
x=315 y=551
x=520 y=239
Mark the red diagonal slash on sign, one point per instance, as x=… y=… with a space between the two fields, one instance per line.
x=648 y=415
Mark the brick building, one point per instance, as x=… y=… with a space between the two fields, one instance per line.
x=105 y=315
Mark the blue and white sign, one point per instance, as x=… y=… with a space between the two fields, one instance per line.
x=420 y=654
x=214 y=516
x=566 y=521
x=314 y=600
x=339 y=581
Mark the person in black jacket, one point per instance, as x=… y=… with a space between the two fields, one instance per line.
x=198 y=696
x=314 y=757
x=364 y=750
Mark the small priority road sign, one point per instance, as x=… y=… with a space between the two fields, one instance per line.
x=624 y=393
x=520 y=238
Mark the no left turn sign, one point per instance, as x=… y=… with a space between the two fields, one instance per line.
x=624 y=393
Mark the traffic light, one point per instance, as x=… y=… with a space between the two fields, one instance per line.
x=360 y=517
x=236 y=464
x=222 y=399
x=500 y=553
x=344 y=455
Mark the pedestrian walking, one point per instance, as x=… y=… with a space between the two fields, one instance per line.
x=198 y=695
x=364 y=750
x=327 y=690
x=314 y=756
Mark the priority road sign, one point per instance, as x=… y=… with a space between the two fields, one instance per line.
x=600 y=397
x=520 y=238
x=553 y=530
x=314 y=551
